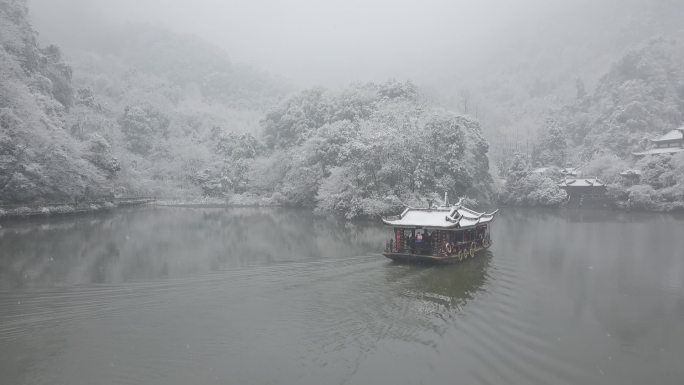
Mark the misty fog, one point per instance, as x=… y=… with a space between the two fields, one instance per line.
x=338 y=42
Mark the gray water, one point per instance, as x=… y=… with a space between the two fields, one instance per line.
x=251 y=296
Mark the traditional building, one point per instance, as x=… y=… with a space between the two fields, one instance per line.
x=630 y=177
x=670 y=143
x=584 y=191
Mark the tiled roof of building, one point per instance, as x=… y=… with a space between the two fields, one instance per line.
x=659 y=151
x=670 y=136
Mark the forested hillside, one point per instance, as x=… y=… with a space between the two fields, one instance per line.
x=39 y=160
x=640 y=98
x=547 y=63
x=161 y=100
x=134 y=115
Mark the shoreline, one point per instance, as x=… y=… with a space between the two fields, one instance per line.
x=65 y=209
x=215 y=203
x=611 y=207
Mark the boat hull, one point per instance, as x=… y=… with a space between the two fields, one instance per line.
x=432 y=259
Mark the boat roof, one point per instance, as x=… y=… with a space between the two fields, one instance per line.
x=671 y=135
x=582 y=182
x=445 y=217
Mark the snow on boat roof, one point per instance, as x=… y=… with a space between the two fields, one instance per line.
x=671 y=135
x=456 y=216
x=582 y=182
x=659 y=151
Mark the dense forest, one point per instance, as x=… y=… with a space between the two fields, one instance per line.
x=366 y=150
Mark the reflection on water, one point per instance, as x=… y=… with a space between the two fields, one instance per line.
x=448 y=286
x=153 y=243
x=256 y=296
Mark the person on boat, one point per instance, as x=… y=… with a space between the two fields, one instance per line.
x=412 y=243
x=419 y=243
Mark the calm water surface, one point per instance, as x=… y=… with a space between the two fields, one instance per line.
x=250 y=296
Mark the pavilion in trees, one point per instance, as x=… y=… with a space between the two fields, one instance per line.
x=584 y=191
x=670 y=143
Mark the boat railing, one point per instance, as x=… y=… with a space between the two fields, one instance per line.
x=428 y=247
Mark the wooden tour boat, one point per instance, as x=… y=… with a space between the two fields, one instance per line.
x=438 y=234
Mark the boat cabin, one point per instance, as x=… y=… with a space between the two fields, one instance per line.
x=438 y=234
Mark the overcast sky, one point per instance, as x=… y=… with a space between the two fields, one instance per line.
x=325 y=42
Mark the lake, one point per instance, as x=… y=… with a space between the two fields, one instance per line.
x=161 y=295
